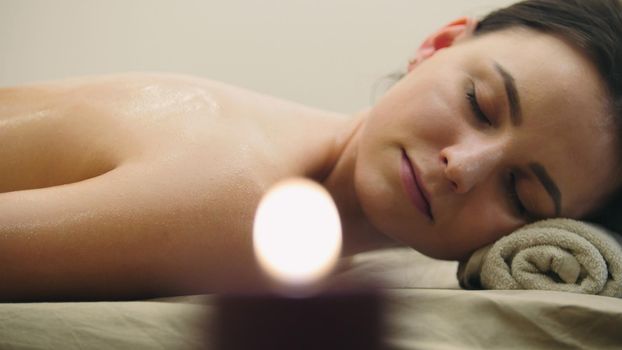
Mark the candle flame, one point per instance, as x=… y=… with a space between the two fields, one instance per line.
x=297 y=233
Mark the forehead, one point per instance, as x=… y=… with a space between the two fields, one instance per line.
x=545 y=66
x=567 y=125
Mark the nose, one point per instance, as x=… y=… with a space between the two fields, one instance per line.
x=468 y=164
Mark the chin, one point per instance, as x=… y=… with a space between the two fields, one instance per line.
x=375 y=183
x=377 y=198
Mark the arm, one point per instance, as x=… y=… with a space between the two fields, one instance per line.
x=137 y=231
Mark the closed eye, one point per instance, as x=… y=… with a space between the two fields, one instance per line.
x=515 y=201
x=477 y=111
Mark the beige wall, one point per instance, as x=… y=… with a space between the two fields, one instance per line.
x=319 y=52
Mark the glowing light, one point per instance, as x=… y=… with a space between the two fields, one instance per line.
x=297 y=233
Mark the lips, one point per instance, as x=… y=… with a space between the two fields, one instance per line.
x=414 y=187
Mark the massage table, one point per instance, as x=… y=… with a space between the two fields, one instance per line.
x=424 y=309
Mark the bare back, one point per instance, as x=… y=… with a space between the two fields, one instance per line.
x=132 y=185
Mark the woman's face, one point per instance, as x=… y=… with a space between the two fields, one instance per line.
x=500 y=130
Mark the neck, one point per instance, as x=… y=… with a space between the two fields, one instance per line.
x=359 y=234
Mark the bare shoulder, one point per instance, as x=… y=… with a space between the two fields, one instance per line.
x=149 y=180
x=81 y=127
x=204 y=136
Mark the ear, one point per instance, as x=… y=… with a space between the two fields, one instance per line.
x=448 y=35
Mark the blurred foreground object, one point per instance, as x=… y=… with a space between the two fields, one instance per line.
x=297 y=240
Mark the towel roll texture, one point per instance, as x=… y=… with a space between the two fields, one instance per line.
x=554 y=254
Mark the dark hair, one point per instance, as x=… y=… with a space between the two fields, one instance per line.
x=594 y=26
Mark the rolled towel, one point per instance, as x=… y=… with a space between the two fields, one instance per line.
x=554 y=254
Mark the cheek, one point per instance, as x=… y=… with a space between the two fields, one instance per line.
x=438 y=118
x=425 y=101
x=480 y=223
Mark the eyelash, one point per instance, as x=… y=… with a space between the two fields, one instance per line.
x=477 y=111
x=481 y=116
x=511 y=189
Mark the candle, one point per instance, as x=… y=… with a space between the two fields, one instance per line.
x=297 y=241
x=297 y=236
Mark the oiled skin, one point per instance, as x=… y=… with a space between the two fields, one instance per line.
x=142 y=185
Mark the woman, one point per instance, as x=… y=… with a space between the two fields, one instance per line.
x=143 y=185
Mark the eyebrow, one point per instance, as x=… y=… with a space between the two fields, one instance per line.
x=549 y=185
x=516 y=116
